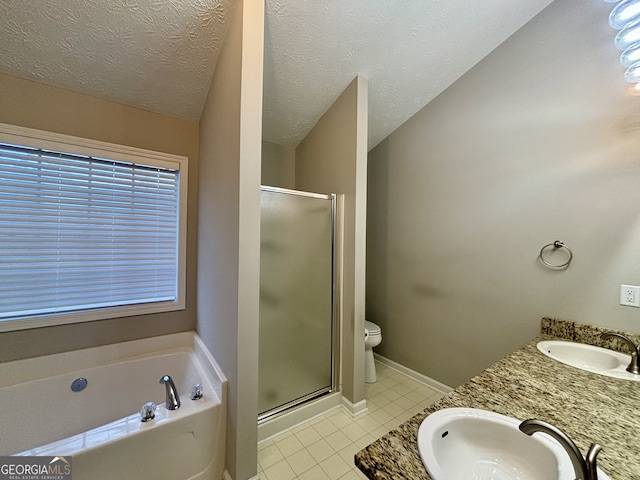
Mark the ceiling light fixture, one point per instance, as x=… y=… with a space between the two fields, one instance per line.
x=626 y=17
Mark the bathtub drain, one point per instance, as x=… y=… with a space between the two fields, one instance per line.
x=79 y=384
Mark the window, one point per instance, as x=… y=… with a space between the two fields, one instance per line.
x=88 y=230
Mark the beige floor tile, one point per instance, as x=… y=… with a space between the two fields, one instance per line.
x=404 y=416
x=354 y=431
x=367 y=422
x=393 y=409
x=338 y=440
x=416 y=396
x=301 y=461
x=380 y=431
x=391 y=394
x=388 y=382
x=335 y=466
x=269 y=456
x=364 y=441
x=341 y=420
x=325 y=427
x=405 y=403
x=356 y=474
x=320 y=450
x=392 y=424
x=381 y=416
x=316 y=473
x=379 y=400
x=402 y=389
x=417 y=409
x=280 y=471
x=289 y=445
x=348 y=453
x=307 y=436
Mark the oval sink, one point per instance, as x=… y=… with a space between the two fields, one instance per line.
x=589 y=357
x=457 y=443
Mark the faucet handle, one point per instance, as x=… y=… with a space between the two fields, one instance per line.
x=197 y=391
x=148 y=412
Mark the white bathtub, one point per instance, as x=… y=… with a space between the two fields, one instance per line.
x=100 y=427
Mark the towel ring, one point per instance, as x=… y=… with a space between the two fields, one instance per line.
x=556 y=245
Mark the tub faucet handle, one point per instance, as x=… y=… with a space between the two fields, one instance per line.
x=148 y=412
x=173 y=399
x=196 y=391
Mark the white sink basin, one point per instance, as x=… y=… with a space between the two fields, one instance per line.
x=468 y=443
x=590 y=358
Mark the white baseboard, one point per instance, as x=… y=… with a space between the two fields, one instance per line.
x=440 y=387
x=355 y=409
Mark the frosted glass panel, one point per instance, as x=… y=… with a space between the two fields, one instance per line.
x=295 y=298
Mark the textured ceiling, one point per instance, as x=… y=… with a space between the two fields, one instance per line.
x=409 y=50
x=160 y=54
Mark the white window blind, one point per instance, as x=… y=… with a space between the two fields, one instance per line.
x=79 y=233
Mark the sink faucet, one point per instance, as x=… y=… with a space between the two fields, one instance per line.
x=633 y=366
x=584 y=469
x=173 y=399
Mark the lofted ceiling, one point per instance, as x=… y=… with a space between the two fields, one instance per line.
x=160 y=55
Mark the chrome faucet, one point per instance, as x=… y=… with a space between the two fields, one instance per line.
x=173 y=399
x=633 y=366
x=584 y=469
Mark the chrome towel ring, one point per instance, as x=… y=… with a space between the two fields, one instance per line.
x=555 y=246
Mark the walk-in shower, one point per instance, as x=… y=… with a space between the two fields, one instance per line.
x=297 y=338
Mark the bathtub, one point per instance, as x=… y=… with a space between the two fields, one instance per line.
x=100 y=426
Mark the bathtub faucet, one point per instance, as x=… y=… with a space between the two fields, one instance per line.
x=173 y=399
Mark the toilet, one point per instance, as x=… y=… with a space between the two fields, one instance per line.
x=372 y=338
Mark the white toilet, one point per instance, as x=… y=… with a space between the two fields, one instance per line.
x=372 y=338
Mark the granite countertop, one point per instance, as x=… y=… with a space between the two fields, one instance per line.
x=527 y=384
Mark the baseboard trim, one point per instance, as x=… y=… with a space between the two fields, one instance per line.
x=355 y=409
x=440 y=387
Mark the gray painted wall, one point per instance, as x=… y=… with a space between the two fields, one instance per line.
x=278 y=165
x=539 y=142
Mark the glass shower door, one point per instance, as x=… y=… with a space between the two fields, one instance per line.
x=296 y=298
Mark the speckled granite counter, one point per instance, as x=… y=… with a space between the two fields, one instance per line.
x=527 y=384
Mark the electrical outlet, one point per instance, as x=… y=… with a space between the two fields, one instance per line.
x=630 y=295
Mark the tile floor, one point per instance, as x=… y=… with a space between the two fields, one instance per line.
x=323 y=448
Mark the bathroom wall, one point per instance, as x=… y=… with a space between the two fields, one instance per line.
x=539 y=142
x=332 y=159
x=229 y=227
x=278 y=165
x=35 y=105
